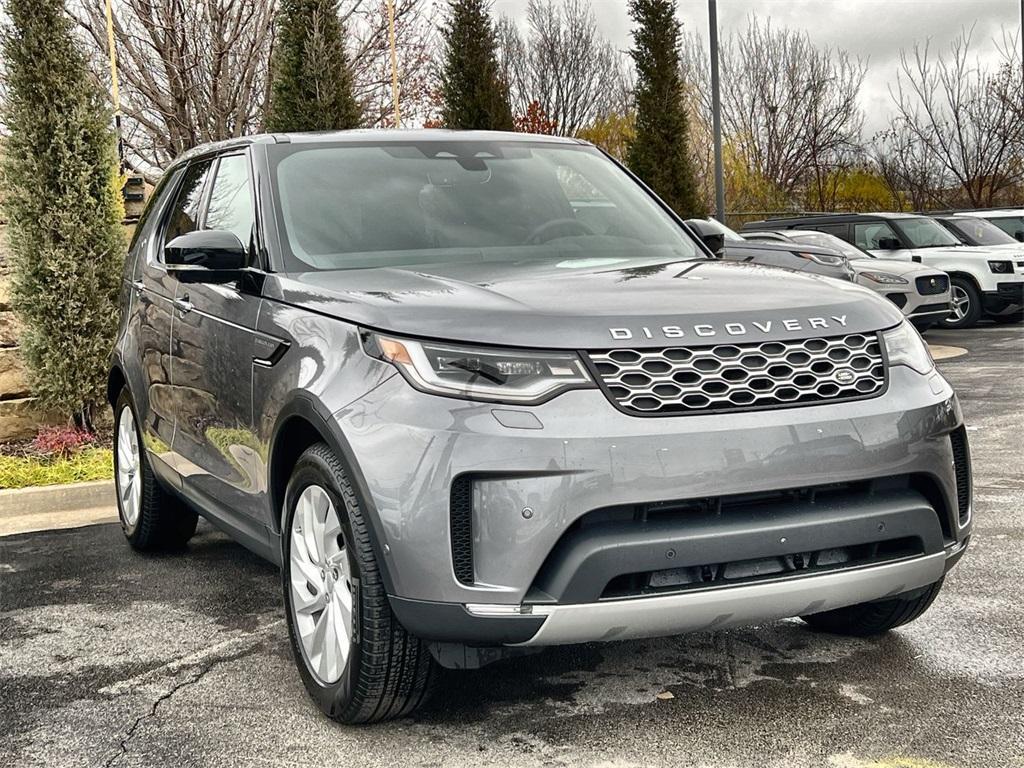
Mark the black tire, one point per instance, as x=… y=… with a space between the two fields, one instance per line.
x=923 y=325
x=963 y=289
x=388 y=672
x=164 y=522
x=876 y=617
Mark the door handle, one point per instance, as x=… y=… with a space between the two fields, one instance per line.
x=183 y=305
x=138 y=286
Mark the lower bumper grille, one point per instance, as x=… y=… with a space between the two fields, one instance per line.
x=461 y=514
x=962 y=467
x=737 y=377
x=927 y=309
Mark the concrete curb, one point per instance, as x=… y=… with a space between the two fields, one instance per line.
x=57 y=498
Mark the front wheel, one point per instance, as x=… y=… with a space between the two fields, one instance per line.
x=966 y=304
x=876 y=617
x=356 y=661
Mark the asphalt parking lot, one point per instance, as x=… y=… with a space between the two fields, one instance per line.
x=112 y=658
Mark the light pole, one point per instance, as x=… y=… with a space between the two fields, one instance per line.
x=115 y=92
x=394 y=61
x=716 y=112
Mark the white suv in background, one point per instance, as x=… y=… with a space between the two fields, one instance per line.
x=985 y=283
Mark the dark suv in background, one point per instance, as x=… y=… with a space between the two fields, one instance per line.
x=482 y=393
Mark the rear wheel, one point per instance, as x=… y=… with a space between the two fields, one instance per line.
x=151 y=518
x=966 y=304
x=876 y=617
x=356 y=661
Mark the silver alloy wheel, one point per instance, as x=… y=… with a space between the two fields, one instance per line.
x=129 y=484
x=961 y=303
x=321 y=585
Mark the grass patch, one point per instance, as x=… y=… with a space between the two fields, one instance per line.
x=83 y=466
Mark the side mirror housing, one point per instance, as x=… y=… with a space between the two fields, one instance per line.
x=1019 y=235
x=715 y=242
x=888 y=243
x=206 y=256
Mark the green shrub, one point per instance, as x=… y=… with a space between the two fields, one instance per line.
x=311 y=83
x=63 y=207
x=475 y=95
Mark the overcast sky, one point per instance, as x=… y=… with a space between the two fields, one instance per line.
x=872 y=29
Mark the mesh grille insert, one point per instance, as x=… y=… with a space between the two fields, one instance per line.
x=733 y=377
x=929 y=286
x=962 y=467
x=461 y=512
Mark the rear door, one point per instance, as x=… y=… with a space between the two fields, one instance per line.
x=212 y=350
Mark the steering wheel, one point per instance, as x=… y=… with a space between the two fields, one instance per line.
x=549 y=230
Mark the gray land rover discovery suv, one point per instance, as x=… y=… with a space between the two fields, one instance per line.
x=479 y=393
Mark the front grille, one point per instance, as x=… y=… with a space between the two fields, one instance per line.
x=736 y=377
x=929 y=286
x=962 y=468
x=461 y=514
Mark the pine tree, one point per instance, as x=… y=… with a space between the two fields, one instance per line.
x=474 y=92
x=63 y=207
x=659 y=152
x=311 y=82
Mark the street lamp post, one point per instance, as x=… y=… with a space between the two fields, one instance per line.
x=716 y=113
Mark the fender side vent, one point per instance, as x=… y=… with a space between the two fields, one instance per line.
x=461 y=514
x=962 y=466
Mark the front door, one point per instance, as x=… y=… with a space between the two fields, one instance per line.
x=212 y=350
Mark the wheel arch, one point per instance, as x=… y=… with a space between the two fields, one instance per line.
x=116 y=381
x=303 y=422
x=966 y=276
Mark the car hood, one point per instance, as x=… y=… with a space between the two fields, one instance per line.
x=583 y=303
x=893 y=267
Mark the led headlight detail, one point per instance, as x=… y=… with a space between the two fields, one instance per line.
x=1001 y=267
x=822 y=258
x=885 y=278
x=905 y=346
x=480 y=373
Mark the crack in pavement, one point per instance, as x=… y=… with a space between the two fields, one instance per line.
x=203 y=670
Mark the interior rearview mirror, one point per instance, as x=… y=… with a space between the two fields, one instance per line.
x=206 y=256
x=888 y=243
x=715 y=242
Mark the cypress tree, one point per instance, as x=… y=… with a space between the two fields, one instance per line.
x=474 y=92
x=311 y=82
x=63 y=207
x=659 y=152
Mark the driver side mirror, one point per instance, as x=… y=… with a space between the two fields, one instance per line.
x=715 y=242
x=1019 y=234
x=206 y=256
x=888 y=243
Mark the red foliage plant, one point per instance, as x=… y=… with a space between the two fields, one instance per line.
x=535 y=120
x=62 y=441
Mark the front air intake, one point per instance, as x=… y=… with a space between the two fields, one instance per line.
x=461 y=516
x=962 y=467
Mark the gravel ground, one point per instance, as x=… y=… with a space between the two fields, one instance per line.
x=112 y=658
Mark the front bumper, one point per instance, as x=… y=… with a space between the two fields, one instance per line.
x=1006 y=299
x=536 y=471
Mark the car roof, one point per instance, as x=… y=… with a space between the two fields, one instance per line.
x=828 y=218
x=373 y=136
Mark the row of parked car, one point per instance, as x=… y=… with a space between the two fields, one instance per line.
x=950 y=270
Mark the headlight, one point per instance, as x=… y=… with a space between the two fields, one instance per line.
x=904 y=346
x=822 y=258
x=479 y=373
x=1001 y=267
x=884 y=278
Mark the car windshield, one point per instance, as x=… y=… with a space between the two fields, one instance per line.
x=1011 y=225
x=350 y=206
x=925 y=233
x=826 y=240
x=979 y=231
